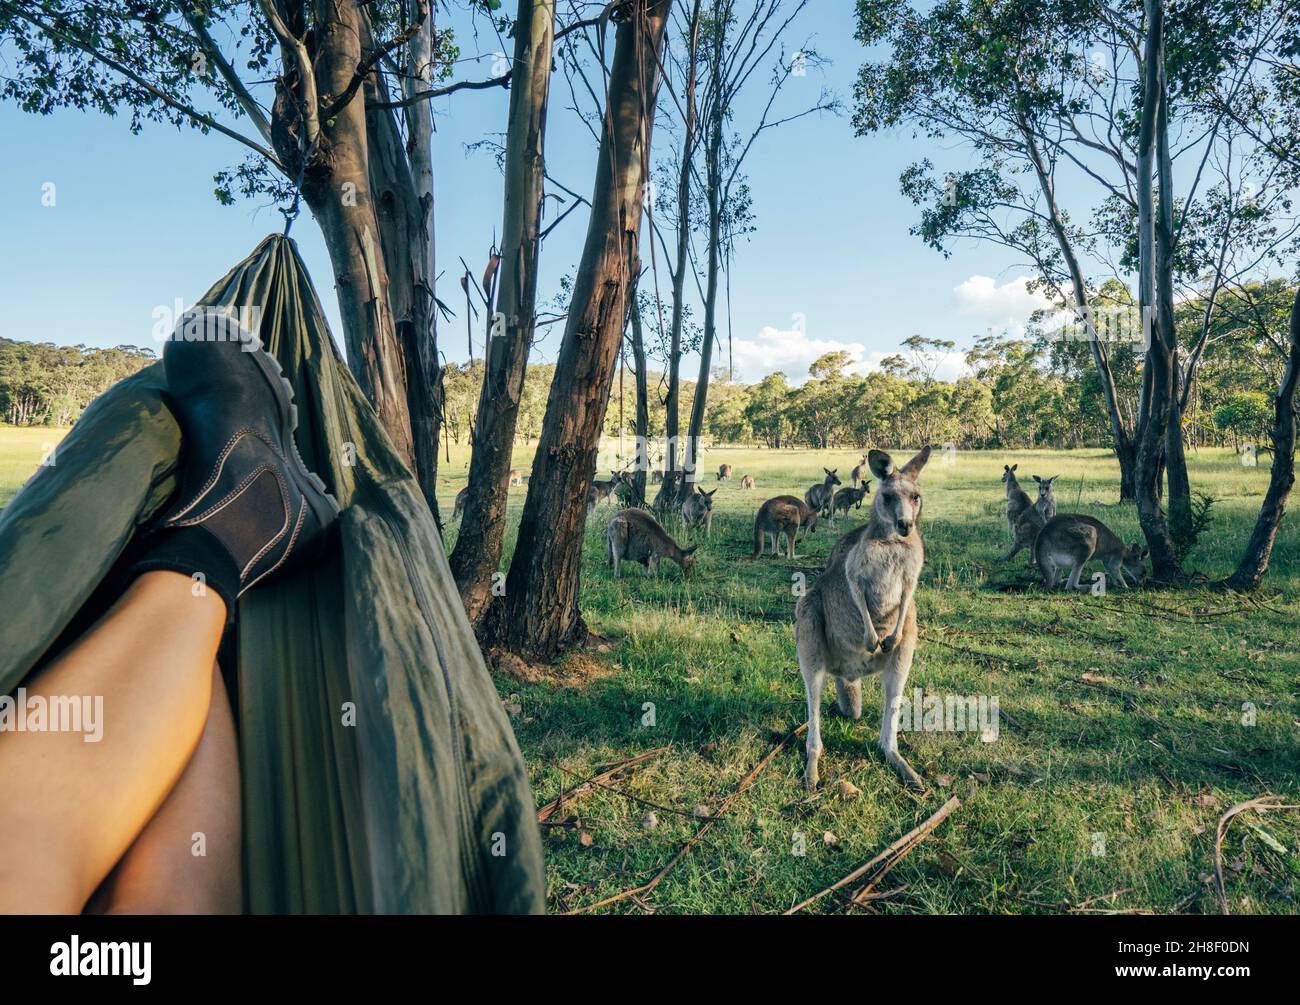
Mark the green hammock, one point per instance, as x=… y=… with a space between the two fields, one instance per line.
x=416 y=802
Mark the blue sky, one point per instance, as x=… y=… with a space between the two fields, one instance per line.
x=135 y=227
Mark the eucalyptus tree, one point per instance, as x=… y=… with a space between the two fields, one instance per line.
x=538 y=616
x=477 y=555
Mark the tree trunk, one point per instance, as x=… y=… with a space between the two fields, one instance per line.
x=540 y=616
x=1125 y=450
x=1179 y=496
x=478 y=549
x=641 y=473
x=1155 y=242
x=1254 y=563
x=336 y=185
x=713 y=160
x=401 y=179
x=668 y=491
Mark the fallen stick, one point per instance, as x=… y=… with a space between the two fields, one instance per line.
x=641 y=891
x=1263 y=804
x=903 y=845
x=550 y=809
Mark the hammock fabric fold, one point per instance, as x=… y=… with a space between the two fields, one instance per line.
x=380 y=773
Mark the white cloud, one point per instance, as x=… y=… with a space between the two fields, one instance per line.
x=1006 y=307
x=790 y=351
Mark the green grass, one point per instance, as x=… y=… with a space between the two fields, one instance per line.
x=22 y=448
x=1121 y=715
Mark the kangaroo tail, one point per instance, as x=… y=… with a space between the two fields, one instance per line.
x=758 y=539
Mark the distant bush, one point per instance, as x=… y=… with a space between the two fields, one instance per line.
x=49 y=385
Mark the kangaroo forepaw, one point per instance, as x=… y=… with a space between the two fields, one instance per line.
x=888 y=643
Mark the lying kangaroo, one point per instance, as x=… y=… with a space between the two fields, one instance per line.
x=1046 y=501
x=1017 y=499
x=783 y=515
x=1071 y=540
x=697 y=510
x=860 y=472
x=849 y=498
x=747 y=483
x=867 y=587
x=724 y=472
x=820 y=497
x=635 y=536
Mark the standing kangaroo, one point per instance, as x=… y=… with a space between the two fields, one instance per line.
x=724 y=472
x=635 y=536
x=1017 y=499
x=849 y=498
x=1046 y=501
x=820 y=497
x=747 y=483
x=1070 y=541
x=697 y=510
x=1032 y=520
x=860 y=472
x=462 y=497
x=868 y=587
x=782 y=515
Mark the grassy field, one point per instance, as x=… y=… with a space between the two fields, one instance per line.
x=1121 y=744
x=1122 y=741
x=22 y=448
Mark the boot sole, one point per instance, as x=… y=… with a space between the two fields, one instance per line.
x=324 y=505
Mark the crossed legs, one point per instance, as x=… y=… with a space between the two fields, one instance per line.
x=149 y=814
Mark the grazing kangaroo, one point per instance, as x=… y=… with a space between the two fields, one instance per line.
x=516 y=478
x=635 y=536
x=1070 y=541
x=724 y=472
x=849 y=498
x=820 y=497
x=867 y=588
x=747 y=483
x=860 y=472
x=1046 y=501
x=783 y=515
x=462 y=497
x=698 y=510
x=1017 y=499
x=656 y=477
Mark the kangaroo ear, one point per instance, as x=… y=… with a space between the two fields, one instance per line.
x=1014 y=467
x=711 y=494
x=913 y=467
x=1052 y=479
x=882 y=465
x=1037 y=479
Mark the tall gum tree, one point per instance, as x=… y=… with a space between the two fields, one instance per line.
x=539 y=615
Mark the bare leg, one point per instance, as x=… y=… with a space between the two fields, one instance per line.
x=897 y=666
x=72 y=808
x=812 y=663
x=187 y=859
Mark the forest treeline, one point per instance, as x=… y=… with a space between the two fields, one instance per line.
x=50 y=385
x=1038 y=389
x=1021 y=391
